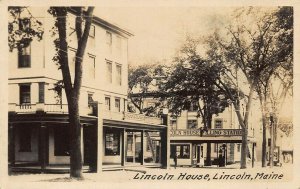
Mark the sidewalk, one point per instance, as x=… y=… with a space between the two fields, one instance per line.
x=129 y=174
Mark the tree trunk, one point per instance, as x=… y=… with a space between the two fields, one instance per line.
x=262 y=99
x=244 y=150
x=75 y=139
x=208 y=149
x=264 y=144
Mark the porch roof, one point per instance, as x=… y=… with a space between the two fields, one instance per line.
x=133 y=125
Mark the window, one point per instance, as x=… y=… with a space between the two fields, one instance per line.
x=129 y=143
x=24 y=54
x=117 y=105
x=25 y=94
x=192 y=124
x=25 y=139
x=218 y=123
x=173 y=124
x=90 y=98
x=72 y=59
x=109 y=41
x=109 y=72
x=107 y=103
x=193 y=107
x=92 y=31
x=119 y=74
x=91 y=66
x=24 y=57
x=61 y=141
x=119 y=45
x=182 y=151
x=41 y=92
x=112 y=143
x=238 y=147
x=215 y=147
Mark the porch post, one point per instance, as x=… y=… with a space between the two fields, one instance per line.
x=11 y=143
x=43 y=147
x=123 y=147
x=133 y=147
x=165 y=143
x=100 y=138
x=142 y=147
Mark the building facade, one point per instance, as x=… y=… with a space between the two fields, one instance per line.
x=38 y=111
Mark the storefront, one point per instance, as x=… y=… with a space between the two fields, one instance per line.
x=191 y=146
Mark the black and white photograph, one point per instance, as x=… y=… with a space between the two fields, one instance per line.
x=149 y=94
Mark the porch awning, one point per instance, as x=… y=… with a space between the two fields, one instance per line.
x=132 y=125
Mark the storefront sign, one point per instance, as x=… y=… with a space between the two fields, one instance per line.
x=223 y=132
x=208 y=133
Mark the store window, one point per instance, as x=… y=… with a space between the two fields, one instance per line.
x=24 y=139
x=129 y=143
x=182 y=151
x=112 y=143
x=192 y=124
x=61 y=141
x=25 y=94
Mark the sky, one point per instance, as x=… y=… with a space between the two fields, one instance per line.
x=159 y=31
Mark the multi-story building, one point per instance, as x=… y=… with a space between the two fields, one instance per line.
x=38 y=114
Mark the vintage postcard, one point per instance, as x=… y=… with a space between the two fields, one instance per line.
x=122 y=94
